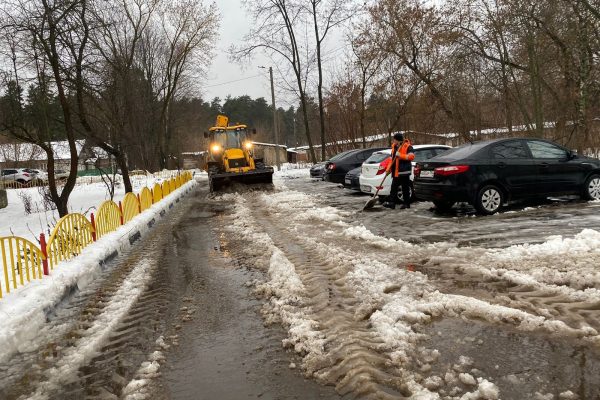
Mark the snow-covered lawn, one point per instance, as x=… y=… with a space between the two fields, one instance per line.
x=84 y=199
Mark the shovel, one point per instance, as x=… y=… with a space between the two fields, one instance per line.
x=371 y=203
x=373 y=199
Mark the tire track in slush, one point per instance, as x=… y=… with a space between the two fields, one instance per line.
x=354 y=360
x=101 y=336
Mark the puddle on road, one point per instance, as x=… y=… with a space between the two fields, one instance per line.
x=225 y=351
x=519 y=363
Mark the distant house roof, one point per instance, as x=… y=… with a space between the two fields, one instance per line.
x=270 y=144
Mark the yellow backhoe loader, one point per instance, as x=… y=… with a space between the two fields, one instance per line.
x=231 y=158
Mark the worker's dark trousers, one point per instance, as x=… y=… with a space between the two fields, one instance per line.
x=404 y=181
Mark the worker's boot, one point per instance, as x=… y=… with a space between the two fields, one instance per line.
x=404 y=206
x=389 y=204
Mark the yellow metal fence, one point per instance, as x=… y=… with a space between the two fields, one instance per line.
x=23 y=261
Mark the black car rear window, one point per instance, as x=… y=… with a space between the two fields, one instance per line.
x=343 y=154
x=463 y=151
x=424 y=154
x=376 y=158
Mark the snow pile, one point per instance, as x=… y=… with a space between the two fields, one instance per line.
x=23 y=309
x=397 y=301
x=65 y=369
x=139 y=387
x=289 y=172
x=284 y=291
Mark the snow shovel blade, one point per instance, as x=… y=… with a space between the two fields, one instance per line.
x=371 y=203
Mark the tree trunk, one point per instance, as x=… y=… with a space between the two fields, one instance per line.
x=320 y=82
x=122 y=162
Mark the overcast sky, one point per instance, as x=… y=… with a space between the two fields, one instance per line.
x=235 y=23
x=229 y=78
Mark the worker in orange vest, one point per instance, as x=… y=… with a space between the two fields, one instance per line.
x=400 y=169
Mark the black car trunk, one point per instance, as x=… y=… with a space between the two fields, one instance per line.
x=426 y=169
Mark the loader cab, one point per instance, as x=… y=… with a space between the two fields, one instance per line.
x=231 y=137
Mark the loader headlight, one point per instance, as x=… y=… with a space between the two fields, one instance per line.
x=248 y=145
x=215 y=148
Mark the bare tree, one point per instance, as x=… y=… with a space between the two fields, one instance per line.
x=326 y=15
x=275 y=31
x=51 y=45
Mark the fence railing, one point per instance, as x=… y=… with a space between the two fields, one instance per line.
x=108 y=218
x=23 y=261
x=145 y=198
x=130 y=208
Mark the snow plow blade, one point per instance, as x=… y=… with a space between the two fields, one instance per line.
x=224 y=179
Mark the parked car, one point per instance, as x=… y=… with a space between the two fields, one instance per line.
x=20 y=175
x=489 y=174
x=373 y=170
x=337 y=168
x=61 y=174
x=37 y=174
x=351 y=180
x=317 y=170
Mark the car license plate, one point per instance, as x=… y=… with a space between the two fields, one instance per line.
x=348 y=182
x=366 y=189
x=426 y=174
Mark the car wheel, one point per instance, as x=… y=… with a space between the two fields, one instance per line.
x=591 y=189
x=489 y=200
x=443 y=206
x=401 y=195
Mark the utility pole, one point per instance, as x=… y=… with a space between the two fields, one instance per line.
x=275 y=120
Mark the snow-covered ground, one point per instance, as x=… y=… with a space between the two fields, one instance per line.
x=313 y=245
x=24 y=309
x=84 y=199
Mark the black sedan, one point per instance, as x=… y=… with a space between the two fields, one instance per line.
x=337 y=168
x=489 y=174
x=352 y=181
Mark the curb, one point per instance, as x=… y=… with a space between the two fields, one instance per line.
x=129 y=242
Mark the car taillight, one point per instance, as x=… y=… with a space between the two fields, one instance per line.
x=331 y=166
x=451 y=170
x=380 y=170
x=417 y=171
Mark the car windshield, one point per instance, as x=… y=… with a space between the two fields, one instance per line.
x=462 y=151
x=376 y=158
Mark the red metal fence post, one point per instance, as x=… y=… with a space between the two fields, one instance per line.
x=121 y=209
x=45 y=253
x=93 y=221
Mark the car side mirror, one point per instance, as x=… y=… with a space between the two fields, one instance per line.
x=572 y=154
x=206 y=135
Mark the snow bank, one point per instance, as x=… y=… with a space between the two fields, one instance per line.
x=396 y=300
x=24 y=309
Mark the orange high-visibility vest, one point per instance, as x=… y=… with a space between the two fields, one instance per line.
x=404 y=155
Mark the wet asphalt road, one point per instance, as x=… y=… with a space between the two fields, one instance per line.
x=200 y=304
x=225 y=352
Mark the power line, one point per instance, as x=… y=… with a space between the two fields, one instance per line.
x=234 y=81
